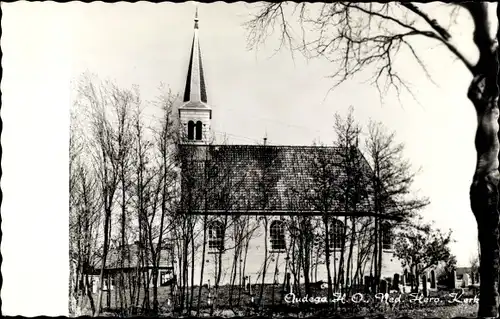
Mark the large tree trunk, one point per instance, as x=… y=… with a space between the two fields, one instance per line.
x=483 y=93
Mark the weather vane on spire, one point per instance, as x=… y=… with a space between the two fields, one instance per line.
x=196 y=18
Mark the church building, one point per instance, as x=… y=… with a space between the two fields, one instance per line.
x=272 y=213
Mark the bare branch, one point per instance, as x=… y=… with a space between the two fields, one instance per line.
x=354 y=36
x=445 y=37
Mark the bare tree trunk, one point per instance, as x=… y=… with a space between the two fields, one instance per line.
x=243 y=272
x=326 y=222
x=380 y=255
x=193 y=252
x=484 y=190
x=107 y=223
x=89 y=293
x=264 y=267
x=274 y=278
x=375 y=251
x=185 y=265
x=237 y=255
x=341 y=272
x=219 y=266
x=306 y=253
x=202 y=270
x=351 y=248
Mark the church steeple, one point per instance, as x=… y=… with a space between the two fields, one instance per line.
x=195 y=114
x=195 y=90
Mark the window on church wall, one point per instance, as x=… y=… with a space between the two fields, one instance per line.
x=165 y=277
x=216 y=236
x=190 y=130
x=386 y=233
x=336 y=235
x=199 y=131
x=277 y=235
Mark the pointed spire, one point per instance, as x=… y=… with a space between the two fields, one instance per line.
x=196 y=19
x=195 y=91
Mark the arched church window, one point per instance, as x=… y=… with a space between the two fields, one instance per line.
x=190 y=130
x=216 y=236
x=199 y=131
x=277 y=234
x=336 y=234
x=386 y=233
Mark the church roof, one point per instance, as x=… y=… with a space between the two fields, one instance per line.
x=254 y=179
x=195 y=92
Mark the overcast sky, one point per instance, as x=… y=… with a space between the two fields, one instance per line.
x=47 y=46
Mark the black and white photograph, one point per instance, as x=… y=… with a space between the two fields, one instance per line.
x=271 y=159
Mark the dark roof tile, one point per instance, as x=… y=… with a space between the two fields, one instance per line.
x=274 y=179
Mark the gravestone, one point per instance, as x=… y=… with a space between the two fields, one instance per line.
x=383 y=286
x=94 y=286
x=245 y=283
x=209 y=298
x=424 y=286
x=367 y=284
x=472 y=278
x=433 y=279
x=465 y=280
x=453 y=279
x=288 y=286
x=403 y=283
x=395 y=282
x=249 y=286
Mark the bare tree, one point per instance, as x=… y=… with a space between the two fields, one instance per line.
x=120 y=167
x=352 y=187
x=122 y=103
x=99 y=98
x=391 y=186
x=226 y=178
x=267 y=161
x=146 y=189
x=84 y=220
x=355 y=36
x=323 y=194
x=167 y=185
